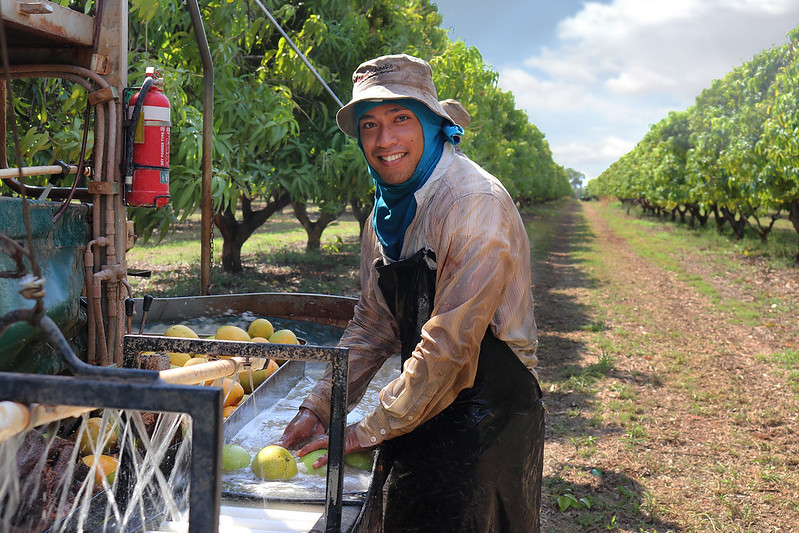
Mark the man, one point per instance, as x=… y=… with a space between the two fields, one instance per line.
x=445 y=280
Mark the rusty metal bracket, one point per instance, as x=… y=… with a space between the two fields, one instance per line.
x=101 y=96
x=34 y=8
x=103 y=187
x=100 y=64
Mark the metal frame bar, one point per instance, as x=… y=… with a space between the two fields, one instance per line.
x=121 y=388
x=206 y=164
x=143 y=390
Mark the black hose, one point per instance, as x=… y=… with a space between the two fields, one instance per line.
x=134 y=119
x=46 y=324
x=14 y=316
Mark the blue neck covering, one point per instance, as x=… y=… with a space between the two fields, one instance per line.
x=395 y=205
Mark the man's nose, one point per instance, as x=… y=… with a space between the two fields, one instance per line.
x=386 y=137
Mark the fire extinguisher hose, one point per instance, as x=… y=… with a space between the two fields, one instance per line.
x=134 y=119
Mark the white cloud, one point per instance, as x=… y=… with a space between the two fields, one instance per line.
x=618 y=67
x=640 y=80
x=621 y=19
x=675 y=47
x=584 y=156
x=537 y=94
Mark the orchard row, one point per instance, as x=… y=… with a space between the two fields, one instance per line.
x=733 y=155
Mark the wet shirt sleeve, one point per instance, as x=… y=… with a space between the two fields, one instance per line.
x=371 y=337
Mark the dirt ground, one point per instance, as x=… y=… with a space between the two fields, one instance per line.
x=665 y=413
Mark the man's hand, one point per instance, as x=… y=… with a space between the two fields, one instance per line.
x=304 y=426
x=351 y=445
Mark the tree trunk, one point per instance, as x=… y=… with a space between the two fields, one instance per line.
x=793 y=216
x=235 y=233
x=361 y=213
x=697 y=214
x=738 y=224
x=314 y=230
x=682 y=213
x=718 y=218
x=703 y=216
x=761 y=229
x=646 y=207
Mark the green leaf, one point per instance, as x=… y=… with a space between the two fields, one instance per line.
x=566 y=501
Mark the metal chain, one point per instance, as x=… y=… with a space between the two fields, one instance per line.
x=211 y=246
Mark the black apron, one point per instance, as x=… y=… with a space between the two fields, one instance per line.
x=477 y=465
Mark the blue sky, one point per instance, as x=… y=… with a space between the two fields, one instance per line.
x=593 y=76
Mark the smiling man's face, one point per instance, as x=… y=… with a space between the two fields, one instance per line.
x=393 y=141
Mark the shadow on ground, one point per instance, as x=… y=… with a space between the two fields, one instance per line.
x=607 y=500
x=612 y=501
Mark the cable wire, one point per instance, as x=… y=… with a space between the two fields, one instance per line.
x=297 y=50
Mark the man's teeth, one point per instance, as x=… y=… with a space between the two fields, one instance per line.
x=390 y=158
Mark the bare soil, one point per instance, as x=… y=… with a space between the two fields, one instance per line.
x=665 y=412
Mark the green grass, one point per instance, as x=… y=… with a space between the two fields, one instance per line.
x=538 y=222
x=274 y=258
x=788 y=361
x=667 y=244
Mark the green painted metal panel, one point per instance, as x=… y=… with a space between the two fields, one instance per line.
x=58 y=249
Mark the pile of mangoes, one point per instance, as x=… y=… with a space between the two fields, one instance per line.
x=236 y=390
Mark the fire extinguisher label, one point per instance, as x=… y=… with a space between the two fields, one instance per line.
x=138 y=136
x=164 y=146
x=156 y=113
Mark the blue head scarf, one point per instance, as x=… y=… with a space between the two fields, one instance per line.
x=395 y=205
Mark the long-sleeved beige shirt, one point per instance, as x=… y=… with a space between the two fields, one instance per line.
x=483 y=278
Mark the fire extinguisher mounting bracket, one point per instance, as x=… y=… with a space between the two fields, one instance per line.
x=145 y=164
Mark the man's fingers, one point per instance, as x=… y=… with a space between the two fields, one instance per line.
x=302 y=427
x=322 y=461
x=316 y=444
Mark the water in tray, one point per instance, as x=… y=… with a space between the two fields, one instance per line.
x=267 y=427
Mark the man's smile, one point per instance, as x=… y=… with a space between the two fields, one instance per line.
x=393 y=157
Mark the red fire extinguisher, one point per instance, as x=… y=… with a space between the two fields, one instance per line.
x=147 y=145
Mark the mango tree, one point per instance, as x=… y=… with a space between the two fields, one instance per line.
x=275 y=139
x=746 y=157
x=253 y=117
x=670 y=145
x=780 y=140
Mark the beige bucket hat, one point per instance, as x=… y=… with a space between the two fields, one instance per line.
x=456 y=111
x=388 y=78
